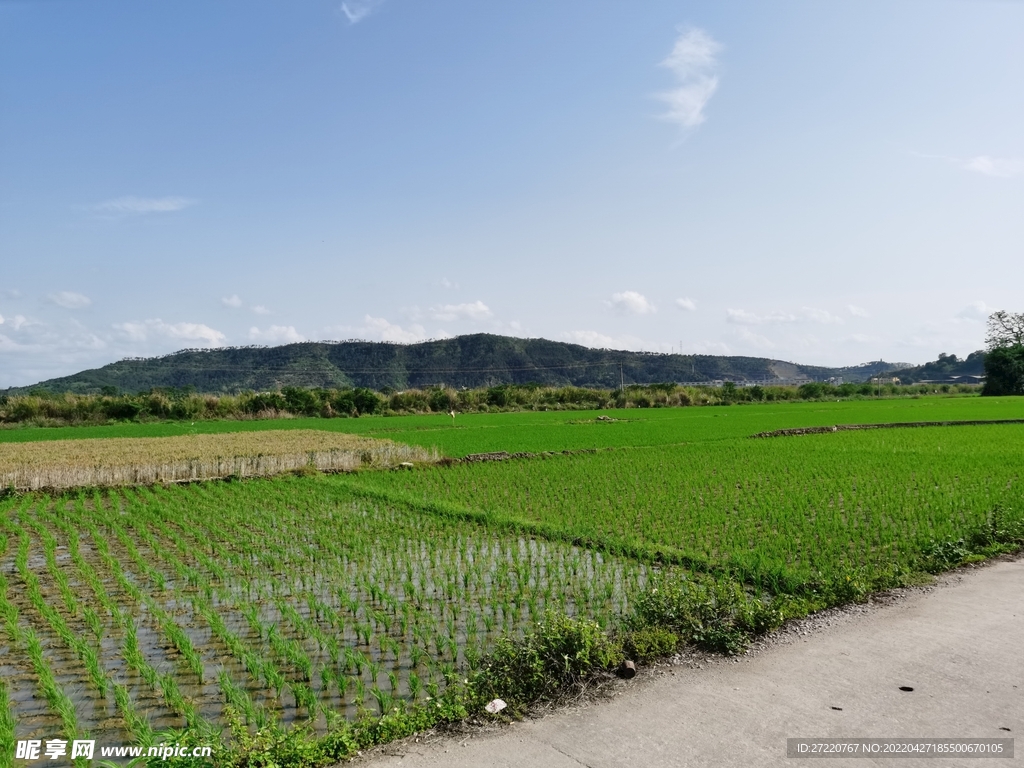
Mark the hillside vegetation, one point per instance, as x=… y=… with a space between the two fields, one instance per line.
x=479 y=360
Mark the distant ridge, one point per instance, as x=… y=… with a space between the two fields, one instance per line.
x=947 y=369
x=464 y=361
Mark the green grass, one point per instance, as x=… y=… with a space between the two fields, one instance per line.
x=572 y=430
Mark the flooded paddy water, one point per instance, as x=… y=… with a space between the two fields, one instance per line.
x=287 y=600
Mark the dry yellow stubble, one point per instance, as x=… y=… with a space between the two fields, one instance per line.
x=59 y=464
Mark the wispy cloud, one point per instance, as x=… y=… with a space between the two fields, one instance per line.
x=777 y=317
x=592 y=339
x=475 y=310
x=143 y=331
x=259 y=309
x=357 y=10
x=69 y=300
x=276 y=334
x=632 y=302
x=233 y=301
x=856 y=311
x=693 y=62
x=747 y=336
x=135 y=206
x=15 y=322
x=686 y=304
x=598 y=340
x=820 y=316
x=743 y=317
x=976 y=310
x=997 y=167
x=1001 y=167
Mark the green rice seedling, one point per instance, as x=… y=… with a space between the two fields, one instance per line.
x=385 y=701
x=237 y=697
x=305 y=699
x=7 y=722
x=137 y=725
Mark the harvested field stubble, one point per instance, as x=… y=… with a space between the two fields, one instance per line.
x=62 y=464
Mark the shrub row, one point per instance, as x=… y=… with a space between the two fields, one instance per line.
x=48 y=409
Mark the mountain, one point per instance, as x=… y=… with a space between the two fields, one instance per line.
x=465 y=361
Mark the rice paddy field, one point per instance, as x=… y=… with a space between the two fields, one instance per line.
x=320 y=599
x=292 y=601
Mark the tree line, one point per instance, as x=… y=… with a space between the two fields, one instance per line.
x=168 y=404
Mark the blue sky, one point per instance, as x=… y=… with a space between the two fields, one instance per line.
x=827 y=183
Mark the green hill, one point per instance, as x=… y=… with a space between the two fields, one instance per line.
x=466 y=361
x=947 y=369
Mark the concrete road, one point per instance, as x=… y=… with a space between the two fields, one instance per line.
x=960 y=647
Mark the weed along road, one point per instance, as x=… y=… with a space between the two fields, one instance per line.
x=835 y=675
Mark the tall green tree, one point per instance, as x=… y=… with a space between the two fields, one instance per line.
x=1004 y=363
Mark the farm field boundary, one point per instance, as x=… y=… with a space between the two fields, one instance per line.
x=894 y=425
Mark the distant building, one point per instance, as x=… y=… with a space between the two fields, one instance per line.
x=958 y=379
x=885 y=380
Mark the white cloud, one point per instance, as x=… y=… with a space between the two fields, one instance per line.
x=591 y=339
x=259 y=309
x=777 y=317
x=693 y=63
x=276 y=334
x=599 y=340
x=861 y=338
x=386 y=331
x=135 y=331
x=820 y=316
x=476 y=310
x=70 y=300
x=357 y=10
x=686 y=304
x=15 y=322
x=444 y=282
x=709 y=348
x=976 y=310
x=1001 y=167
x=755 y=339
x=7 y=344
x=856 y=311
x=742 y=317
x=131 y=205
x=632 y=302
x=232 y=301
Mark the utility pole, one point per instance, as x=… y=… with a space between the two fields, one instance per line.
x=622 y=381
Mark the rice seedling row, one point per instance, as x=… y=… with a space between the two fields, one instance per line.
x=290 y=600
